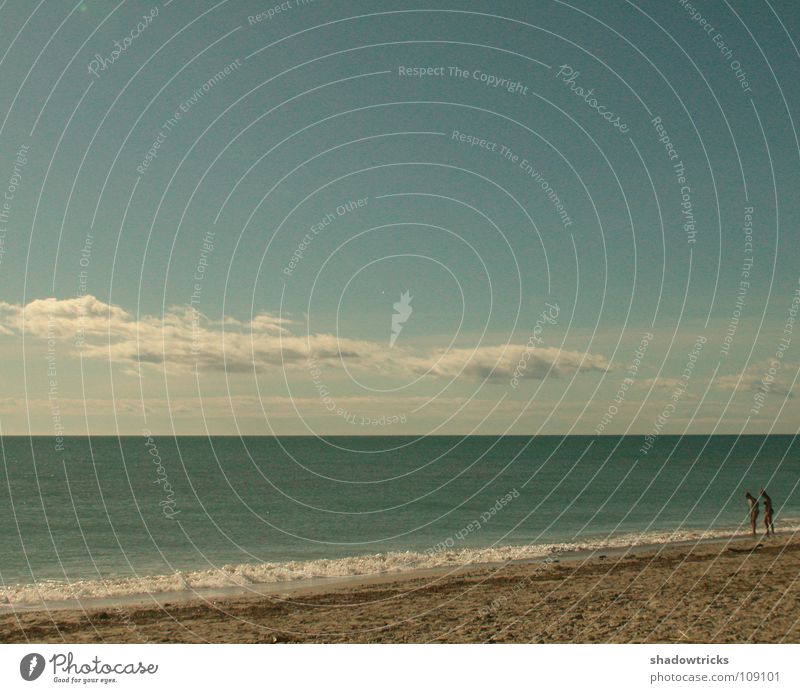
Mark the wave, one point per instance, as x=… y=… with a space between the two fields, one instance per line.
x=247 y=575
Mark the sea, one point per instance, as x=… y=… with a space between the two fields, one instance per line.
x=105 y=517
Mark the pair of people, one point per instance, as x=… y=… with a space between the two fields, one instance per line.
x=753 y=504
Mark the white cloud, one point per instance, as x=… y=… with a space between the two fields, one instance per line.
x=506 y=361
x=753 y=376
x=183 y=339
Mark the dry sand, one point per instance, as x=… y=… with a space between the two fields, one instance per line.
x=724 y=592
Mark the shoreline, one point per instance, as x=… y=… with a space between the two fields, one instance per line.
x=237 y=581
x=511 y=602
x=331 y=590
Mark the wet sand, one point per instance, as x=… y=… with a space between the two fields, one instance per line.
x=727 y=592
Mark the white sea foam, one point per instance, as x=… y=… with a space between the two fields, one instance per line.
x=246 y=575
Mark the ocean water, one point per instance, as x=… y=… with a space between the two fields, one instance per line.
x=114 y=516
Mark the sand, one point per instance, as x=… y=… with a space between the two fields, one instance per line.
x=723 y=592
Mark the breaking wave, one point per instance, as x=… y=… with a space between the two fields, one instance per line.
x=247 y=575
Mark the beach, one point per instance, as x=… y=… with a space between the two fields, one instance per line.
x=733 y=591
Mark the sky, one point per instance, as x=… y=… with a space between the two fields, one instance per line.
x=399 y=218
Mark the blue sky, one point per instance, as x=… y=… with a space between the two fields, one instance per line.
x=293 y=117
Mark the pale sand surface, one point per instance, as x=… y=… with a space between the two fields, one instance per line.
x=712 y=592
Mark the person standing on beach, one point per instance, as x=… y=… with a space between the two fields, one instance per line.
x=767 y=512
x=753 y=503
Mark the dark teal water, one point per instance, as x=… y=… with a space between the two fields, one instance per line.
x=97 y=508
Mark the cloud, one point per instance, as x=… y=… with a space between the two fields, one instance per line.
x=508 y=361
x=757 y=375
x=663 y=382
x=74 y=406
x=183 y=339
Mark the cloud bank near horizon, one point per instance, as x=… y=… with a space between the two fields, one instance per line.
x=183 y=340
